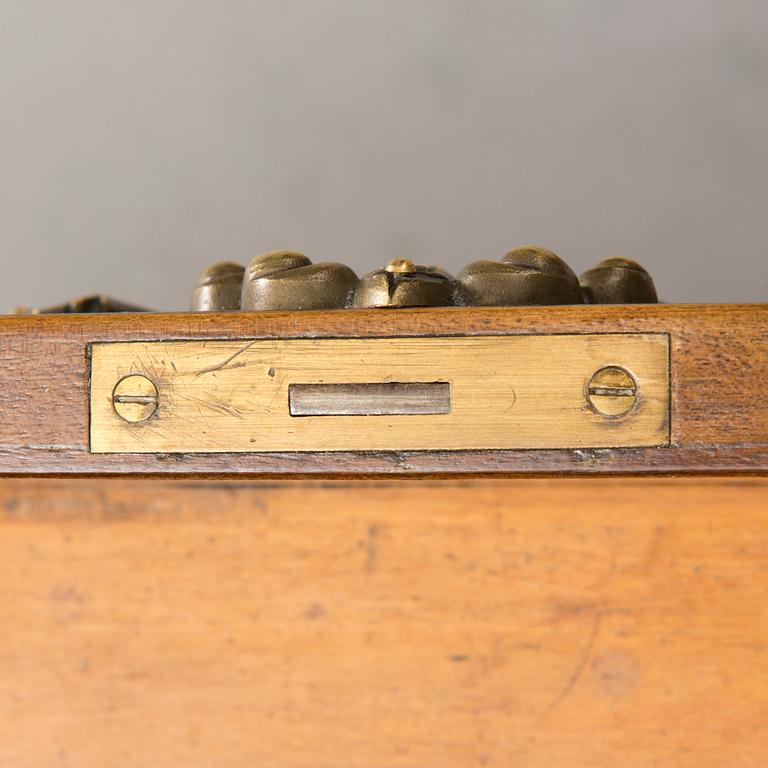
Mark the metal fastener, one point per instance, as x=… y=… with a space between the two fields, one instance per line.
x=612 y=392
x=400 y=266
x=135 y=398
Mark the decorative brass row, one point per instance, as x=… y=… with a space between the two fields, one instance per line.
x=529 y=275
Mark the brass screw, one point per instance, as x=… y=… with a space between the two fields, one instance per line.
x=612 y=392
x=135 y=398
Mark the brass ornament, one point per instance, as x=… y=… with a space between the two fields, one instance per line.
x=286 y=280
x=404 y=284
x=290 y=281
x=219 y=289
x=618 y=281
x=94 y=303
x=528 y=275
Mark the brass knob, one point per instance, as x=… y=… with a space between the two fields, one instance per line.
x=618 y=281
x=401 y=283
x=526 y=275
x=219 y=288
x=289 y=280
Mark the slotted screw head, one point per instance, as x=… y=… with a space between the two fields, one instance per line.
x=135 y=398
x=612 y=392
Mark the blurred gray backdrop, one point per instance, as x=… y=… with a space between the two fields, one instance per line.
x=140 y=141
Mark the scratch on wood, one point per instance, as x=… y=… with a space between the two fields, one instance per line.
x=47 y=447
x=277 y=392
x=226 y=362
x=578 y=670
x=372 y=548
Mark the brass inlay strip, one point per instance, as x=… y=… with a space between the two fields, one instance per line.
x=429 y=393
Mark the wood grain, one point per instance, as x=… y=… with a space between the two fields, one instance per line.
x=718 y=356
x=505 y=392
x=396 y=624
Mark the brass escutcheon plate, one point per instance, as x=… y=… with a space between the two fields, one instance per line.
x=436 y=393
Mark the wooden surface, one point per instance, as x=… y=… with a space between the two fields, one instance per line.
x=587 y=624
x=718 y=356
x=505 y=392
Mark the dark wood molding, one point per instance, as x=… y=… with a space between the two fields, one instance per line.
x=719 y=363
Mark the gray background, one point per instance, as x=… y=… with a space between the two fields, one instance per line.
x=140 y=141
